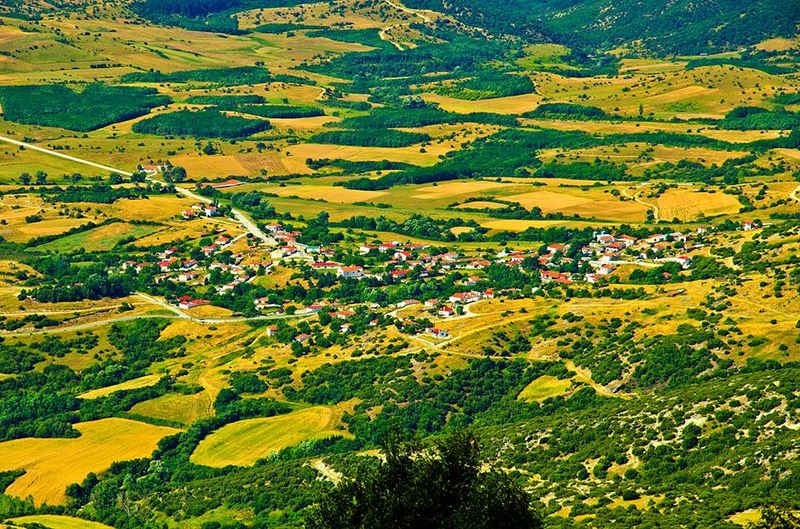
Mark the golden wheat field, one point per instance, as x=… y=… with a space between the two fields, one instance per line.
x=687 y=204
x=52 y=464
x=136 y=383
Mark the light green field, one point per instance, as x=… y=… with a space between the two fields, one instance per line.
x=242 y=443
x=184 y=409
x=98 y=239
x=544 y=387
x=56 y=521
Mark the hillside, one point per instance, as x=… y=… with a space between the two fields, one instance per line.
x=273 y=264
x=683 y=27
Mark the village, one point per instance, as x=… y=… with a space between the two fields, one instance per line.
x=216 y=269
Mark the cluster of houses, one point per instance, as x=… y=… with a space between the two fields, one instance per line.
x=173 y=267
x=200 y=210
x=607 y=251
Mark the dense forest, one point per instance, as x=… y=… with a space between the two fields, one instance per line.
x=202 y=124
x=90 y=107
x=681 y=27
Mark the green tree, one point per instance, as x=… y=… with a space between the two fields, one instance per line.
x=776 y=518
x=442 y=488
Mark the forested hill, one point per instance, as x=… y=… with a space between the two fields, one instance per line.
x=680 y=26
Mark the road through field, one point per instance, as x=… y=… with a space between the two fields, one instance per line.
x=178 y=315
x=793 y=194
x=245 y=221
x=650 y=206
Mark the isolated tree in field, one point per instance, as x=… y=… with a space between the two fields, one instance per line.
x=442 y=488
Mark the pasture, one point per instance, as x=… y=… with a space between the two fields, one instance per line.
x=100 y=238
x=184 y=409
x=689 y=204
x=244 y=442
x=136 y=383
x=544 y=387
x=58 y=521
x=52 y=464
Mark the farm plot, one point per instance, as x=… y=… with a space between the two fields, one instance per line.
x=99 y=239
x=184 y=409
x=52 y=464
x=136 y=383
x=245 y=442
x=455 y=188
x=686 y=204
x=328 y=193
x=545 y=387
x=57 y=521
x=585 y=205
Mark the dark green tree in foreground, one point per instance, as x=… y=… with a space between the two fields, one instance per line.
x=439 y=488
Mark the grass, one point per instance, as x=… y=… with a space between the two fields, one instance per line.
x=184 y=409
x=454 y=188
x=98 y=239
x=57 y=521
x=586 y=204
x=329 y=193
x=52 y=464
x=243 y=443
x=688 y=204
x=136 y=383
x=500 y=105
x=544 y=387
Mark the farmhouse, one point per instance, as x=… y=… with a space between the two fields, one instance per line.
x=350 y=272
x=190 y=303
x=437 y=333
x=446 y=311
x=464 y=297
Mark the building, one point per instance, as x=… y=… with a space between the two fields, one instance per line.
x=464 y=297
x=350 y=272
x=437 y=333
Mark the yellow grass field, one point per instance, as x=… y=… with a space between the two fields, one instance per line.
x=585 y=206
x=136 y=383
x=522 y=225
x=156 y=207
x=544 y=387
x=101 y=238
x=57 y=521
x=243 y=443
x=296 y=155
x=328 y=193
x=481 y=204
x=184 y=409
x=211 y=166
x=52 y=464
x=500 y=105
x=454 y=188
x=685 y=204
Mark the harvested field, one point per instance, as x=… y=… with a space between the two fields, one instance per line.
x=136 y=383
x=52 y=464
x=685 y=204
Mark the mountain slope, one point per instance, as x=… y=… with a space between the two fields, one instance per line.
x=676 y=26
